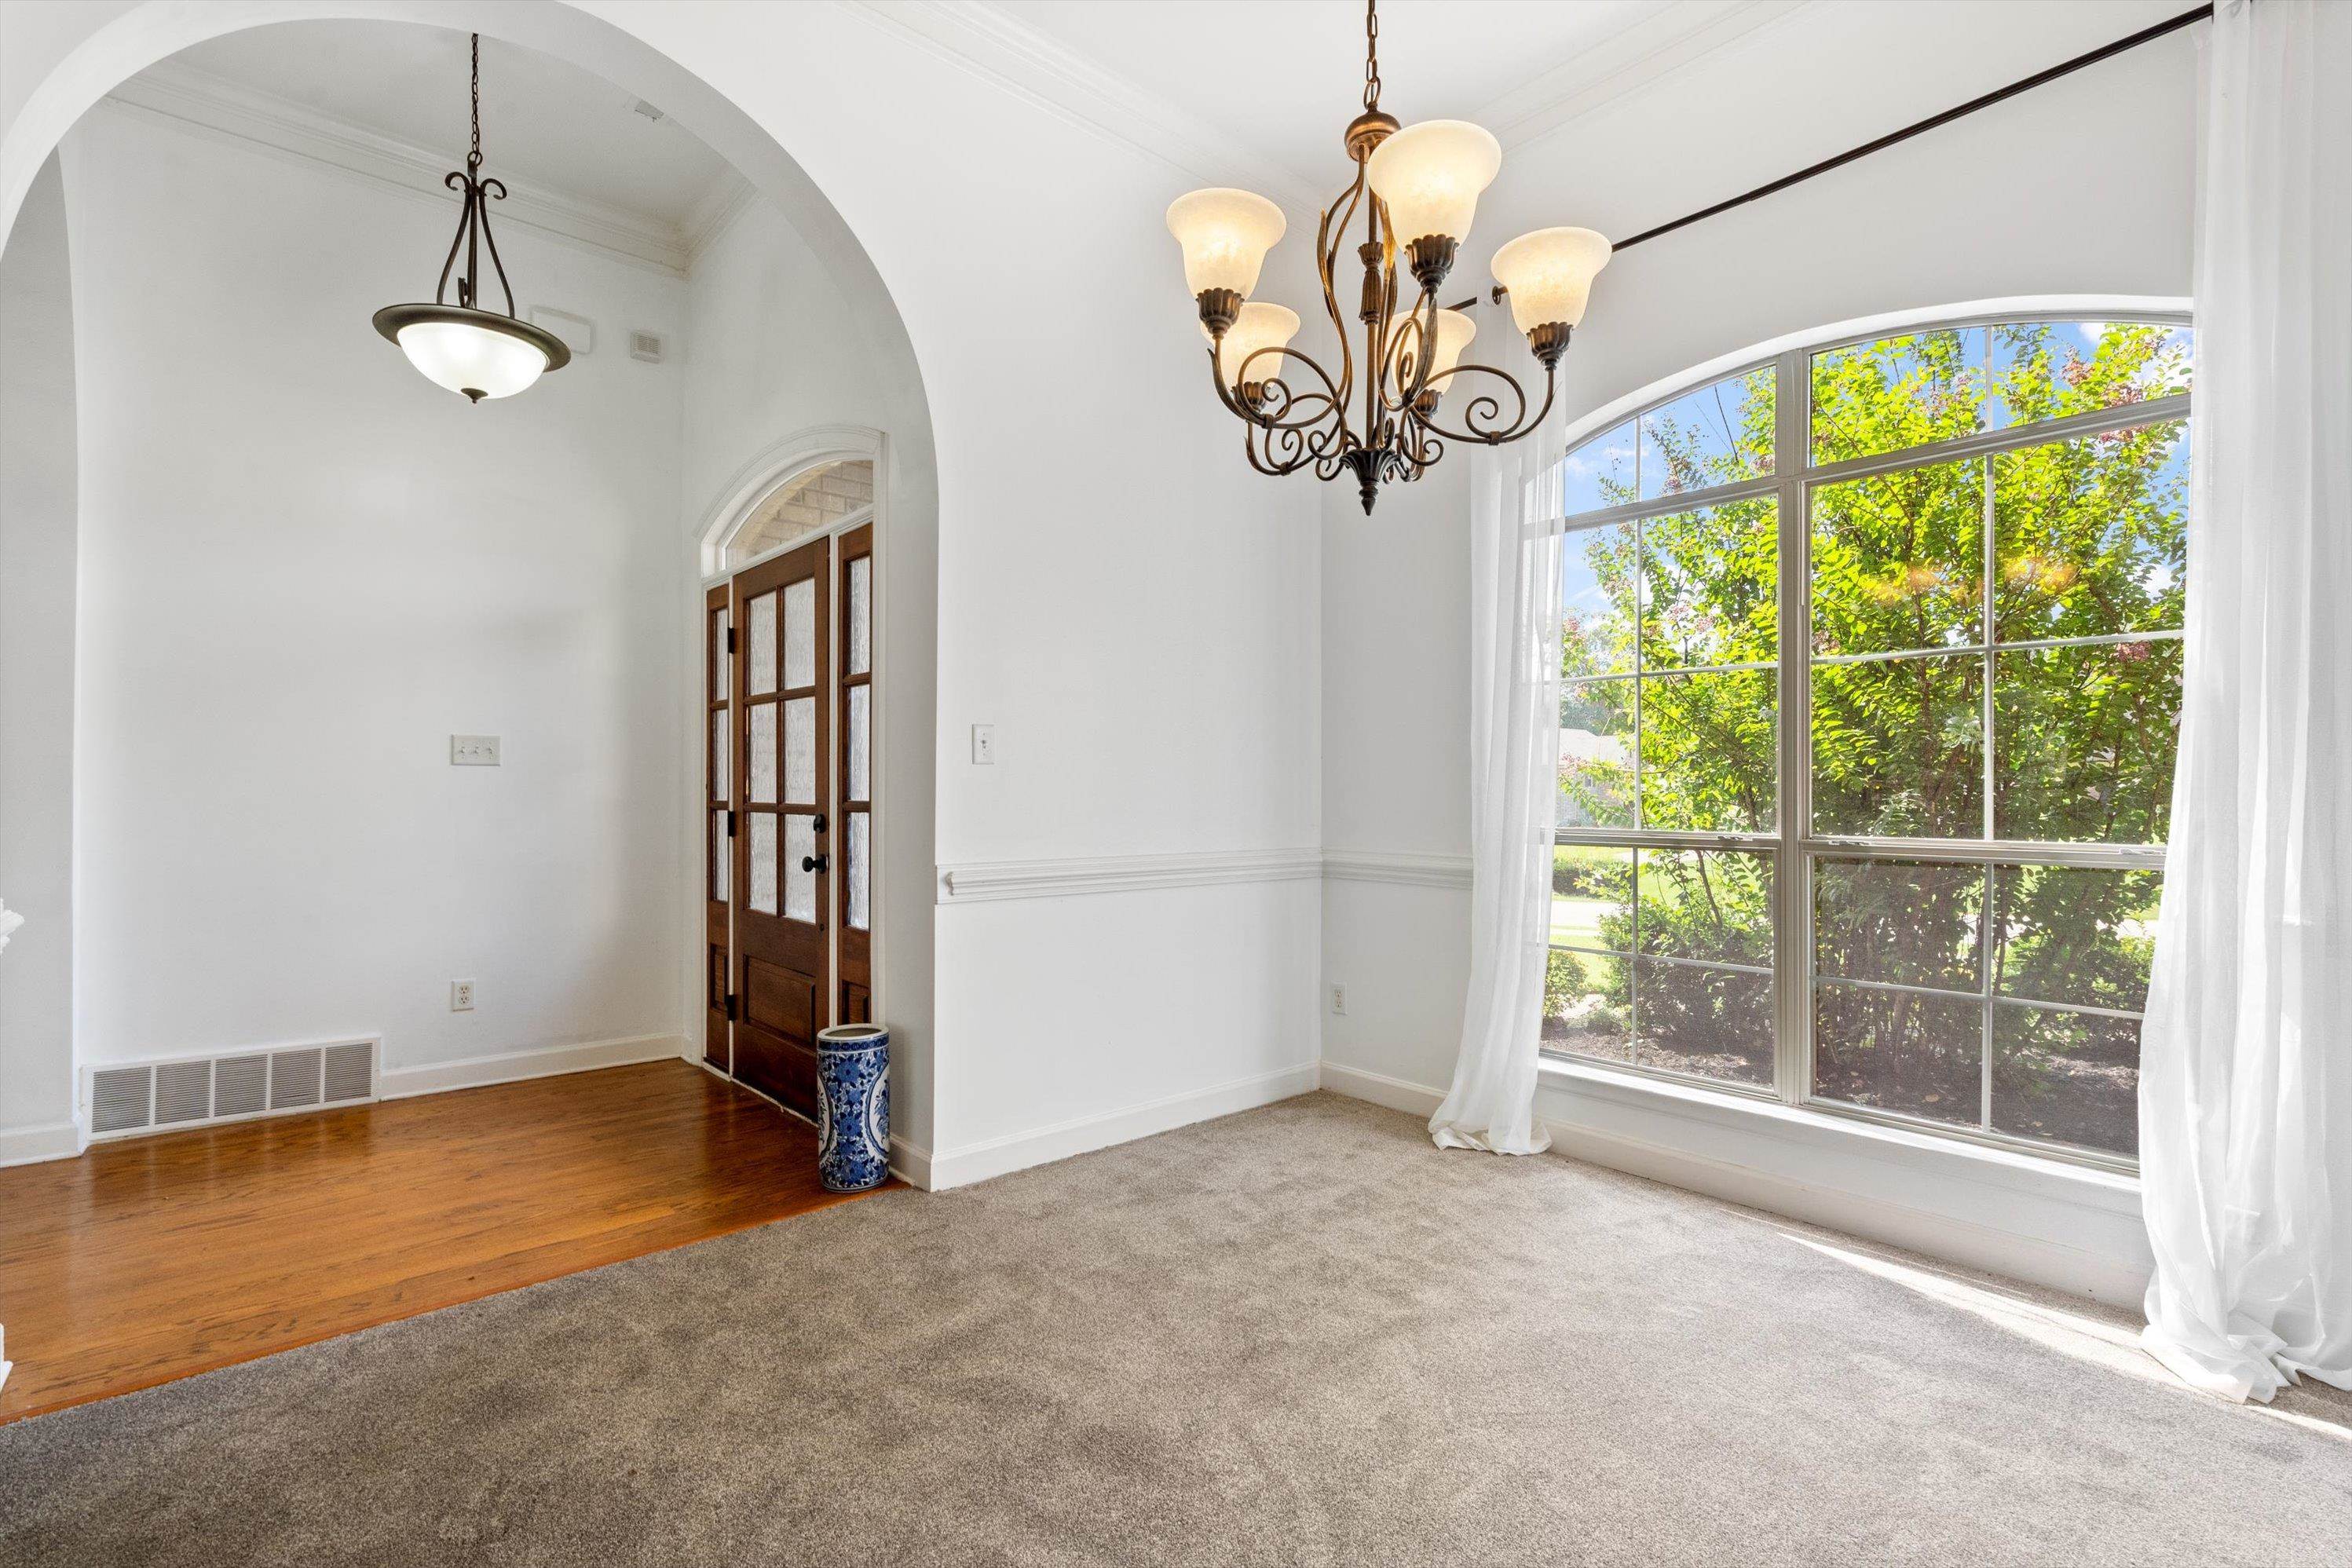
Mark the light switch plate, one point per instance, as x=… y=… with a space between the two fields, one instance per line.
x=473 y=751
x=984 y=744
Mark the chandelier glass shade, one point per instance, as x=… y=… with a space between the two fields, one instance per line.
x=477 y=352
x=1415 y=192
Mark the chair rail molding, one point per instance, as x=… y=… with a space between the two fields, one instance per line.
x=981 y=880
x=1408 y=868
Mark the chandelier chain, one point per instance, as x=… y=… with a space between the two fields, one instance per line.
x=474 y=157
x=1371 y=55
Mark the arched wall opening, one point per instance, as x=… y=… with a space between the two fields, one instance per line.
x=796 y=217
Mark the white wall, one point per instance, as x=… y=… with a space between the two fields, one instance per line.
x=2083 y=186
x=305 y=568
x=37 y=677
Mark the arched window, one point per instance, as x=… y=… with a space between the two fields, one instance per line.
x=1873 y=672
x=811 y=501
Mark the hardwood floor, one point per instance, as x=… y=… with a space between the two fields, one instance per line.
x=158 y=1257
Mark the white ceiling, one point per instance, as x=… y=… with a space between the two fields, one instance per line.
x=545 y=123
x=1287 y=76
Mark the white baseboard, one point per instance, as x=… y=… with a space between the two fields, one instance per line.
x=1018 y=1150
x=911 y=1164
x=2073 y=1231
x=30 y=1145
x=514 y=1066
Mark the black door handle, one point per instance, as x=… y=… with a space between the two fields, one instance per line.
x=814 y=863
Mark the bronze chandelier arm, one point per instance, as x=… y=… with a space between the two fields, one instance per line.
x=1329 y=236
x=1479 y=417
x=1412 y=354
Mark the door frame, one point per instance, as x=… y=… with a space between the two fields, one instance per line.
x=776 y=465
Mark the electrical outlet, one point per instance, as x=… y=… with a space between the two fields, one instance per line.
x=461 y=996
x=1338 y=999
x=983 y=744
x=473 y=751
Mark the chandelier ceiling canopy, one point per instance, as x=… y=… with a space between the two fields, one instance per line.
x=469 y=350
x=1416 y=189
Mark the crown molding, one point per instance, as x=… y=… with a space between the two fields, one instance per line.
x=184 y=96
x=1651 y=49
x=988 y=43
x=726 y=198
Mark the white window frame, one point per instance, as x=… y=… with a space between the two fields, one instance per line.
x=1794 y=848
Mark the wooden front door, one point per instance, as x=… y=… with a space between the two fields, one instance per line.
x=854 y=786
x=720 y=747
x=782 y=611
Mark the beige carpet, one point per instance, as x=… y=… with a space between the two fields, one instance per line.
x=1298 y=1335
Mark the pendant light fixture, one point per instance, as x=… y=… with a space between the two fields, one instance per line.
x=1417 y=187
x=469 y=350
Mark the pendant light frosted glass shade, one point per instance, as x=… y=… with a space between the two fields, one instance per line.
x=1431 y=176
x=1259 y=326
x=479 y=353
x=1225 y=234
x=1454 y=331
x=1550 y=274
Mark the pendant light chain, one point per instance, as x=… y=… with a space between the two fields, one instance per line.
x=1372 y=55
x=474 y=158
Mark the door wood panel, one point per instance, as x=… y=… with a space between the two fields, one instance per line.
x=783 y=881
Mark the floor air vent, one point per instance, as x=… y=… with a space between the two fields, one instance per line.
x=188 y=1091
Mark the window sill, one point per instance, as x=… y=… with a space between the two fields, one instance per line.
x=2072 y=1227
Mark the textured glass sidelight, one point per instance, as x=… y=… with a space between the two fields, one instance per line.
x=860 y=851
x=719 y=655
x=800 y=886
x=800 y=751
x=861 y=615
x=763 y=861
x=719 y=866
x=761 y=771
x=799 y=634
x=760 y=673
x=718 y=772
x=860 y=741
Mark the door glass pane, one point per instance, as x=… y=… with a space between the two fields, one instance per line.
x=1588 y=1005
x=800 y=750
x=860 y=741
x=2083 y=742
x=861 y=615
x=1899 y=747
x=1715 y=1023
x=1899 y=1050
x=760 y=657
x=1903 y=923
x=719 y=748
x=720 y=867
x=800 y=886
x=860 y=846
x=763 y=869
x=2077 y=934
x=799 y=634
x=2068 y=1076
x=1710 y=751
x=1711 y=905
x=1717 y=436
x=719 y=681
x=1596 y=754
x=1898 y=559
x=1593 y=898
x=762 y=769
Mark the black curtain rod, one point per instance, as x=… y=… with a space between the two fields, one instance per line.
x=1999 y=95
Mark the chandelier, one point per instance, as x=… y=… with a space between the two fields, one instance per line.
x=1417 y=187
x=482 y=353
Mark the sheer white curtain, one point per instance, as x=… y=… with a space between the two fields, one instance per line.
x=2246 y=1075
x=1513 y=759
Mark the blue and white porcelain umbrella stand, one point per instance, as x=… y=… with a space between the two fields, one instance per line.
x=853 y=1080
